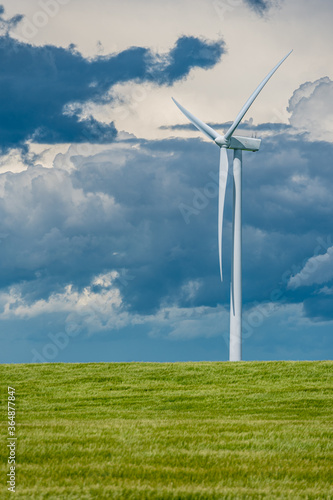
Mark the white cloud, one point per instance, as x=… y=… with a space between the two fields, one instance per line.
x=311 y=108
x=326 y=290
x=190 y=289
x=98 y=307
x=69 y=300
x=317 y=270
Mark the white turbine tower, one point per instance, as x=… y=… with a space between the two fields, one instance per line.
x=238 y=144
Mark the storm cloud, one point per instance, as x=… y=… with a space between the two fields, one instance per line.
x=151 y=210
x=38 y=84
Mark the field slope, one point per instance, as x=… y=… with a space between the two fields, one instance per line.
x=171 y=431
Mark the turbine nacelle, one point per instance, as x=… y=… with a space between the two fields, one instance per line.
x=238 y=142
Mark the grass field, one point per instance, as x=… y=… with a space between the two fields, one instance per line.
x=171 y=431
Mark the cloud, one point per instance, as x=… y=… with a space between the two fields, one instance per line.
x=261 y=6
x=99 y=242
x=68 y=300
x=99 y=307
x=120 y=208
x=311 y=108
x=189 y=52
x=247 y=125
x=95 y=308
x=317 y=270
x=7 y=25
x=326 y=290
x=39 y=84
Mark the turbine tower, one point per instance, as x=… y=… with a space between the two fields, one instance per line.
x=238 y=144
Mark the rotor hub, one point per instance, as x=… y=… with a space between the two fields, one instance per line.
x=222 y=141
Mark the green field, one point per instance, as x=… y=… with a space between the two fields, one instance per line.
x=171 y=431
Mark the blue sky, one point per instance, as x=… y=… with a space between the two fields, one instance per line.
x=108 y=227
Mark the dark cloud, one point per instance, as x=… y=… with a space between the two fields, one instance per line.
x=124 y=209
x=6 y=25
x=37 y=83
x=189 y=52
x=261 y=6
x=247 y=125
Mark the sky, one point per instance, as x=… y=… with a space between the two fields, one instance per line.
x=108 y=197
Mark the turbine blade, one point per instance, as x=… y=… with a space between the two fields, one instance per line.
x=223 y=177
x=210 y=132
x=255 y=94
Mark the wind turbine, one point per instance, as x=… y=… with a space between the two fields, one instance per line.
x=238 y=144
